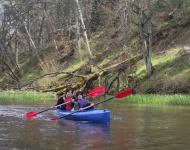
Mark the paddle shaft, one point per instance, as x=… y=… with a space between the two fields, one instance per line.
x=54 y=106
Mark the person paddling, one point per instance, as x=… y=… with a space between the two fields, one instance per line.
x=68 y=99
x=83 y=102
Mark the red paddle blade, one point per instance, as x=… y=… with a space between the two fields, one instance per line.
x=96 y=91
x=123 y=93
x=56 y=118
x=30 y=114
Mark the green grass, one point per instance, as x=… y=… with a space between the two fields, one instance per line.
x=24 y=96
x=171 y=74
x=177 y=99
x=75 y=65
x=157 y=61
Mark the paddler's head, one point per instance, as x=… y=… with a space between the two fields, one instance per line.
x=69 y=92
x=79 y=95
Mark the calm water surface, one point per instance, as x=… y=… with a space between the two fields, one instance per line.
x=132 y=127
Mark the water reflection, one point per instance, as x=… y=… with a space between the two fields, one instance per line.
x=85 y=134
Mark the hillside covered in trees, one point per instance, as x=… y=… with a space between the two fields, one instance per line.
x=47 y=45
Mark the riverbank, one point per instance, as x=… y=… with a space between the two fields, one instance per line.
x=177 y=99
x=23 y=96
x=30 y=96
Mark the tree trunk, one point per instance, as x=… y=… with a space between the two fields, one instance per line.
x=50 y=27
x=145 y=32
x=42 y=22
x=16 y=48
x=36 y=53
x=78 y=36
x=149 y=27
x=84 y=30
x=123 y=9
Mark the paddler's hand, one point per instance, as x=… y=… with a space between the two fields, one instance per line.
x=81 y=109
x=73 y=101
x=53 y=107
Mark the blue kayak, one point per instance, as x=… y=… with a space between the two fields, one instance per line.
x=93 y=115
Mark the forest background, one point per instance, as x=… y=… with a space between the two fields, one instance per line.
x=48 y=45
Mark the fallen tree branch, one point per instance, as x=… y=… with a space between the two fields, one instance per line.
x=86 y=81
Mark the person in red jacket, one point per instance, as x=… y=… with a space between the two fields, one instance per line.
x=68 y=100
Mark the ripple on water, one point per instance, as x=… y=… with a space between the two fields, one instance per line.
x=19 y=111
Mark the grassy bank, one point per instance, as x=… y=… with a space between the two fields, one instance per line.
x=178 y=99
x=24 y=96
x=157 y=99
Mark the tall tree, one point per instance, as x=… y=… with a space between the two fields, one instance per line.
x=144 y=14
x=84 y=30
x=123 y=12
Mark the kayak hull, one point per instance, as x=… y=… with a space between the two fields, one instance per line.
x=93 y=115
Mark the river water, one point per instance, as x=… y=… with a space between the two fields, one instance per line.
x=132 y=127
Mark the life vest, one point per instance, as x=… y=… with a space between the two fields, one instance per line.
x=68 y=105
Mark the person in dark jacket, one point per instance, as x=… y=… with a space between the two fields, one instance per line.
x=83 y=102
x=68 y=100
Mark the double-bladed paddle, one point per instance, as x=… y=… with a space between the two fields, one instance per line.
x=118 y=95
x=93 y=93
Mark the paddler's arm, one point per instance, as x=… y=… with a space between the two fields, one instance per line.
x=59 y=101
